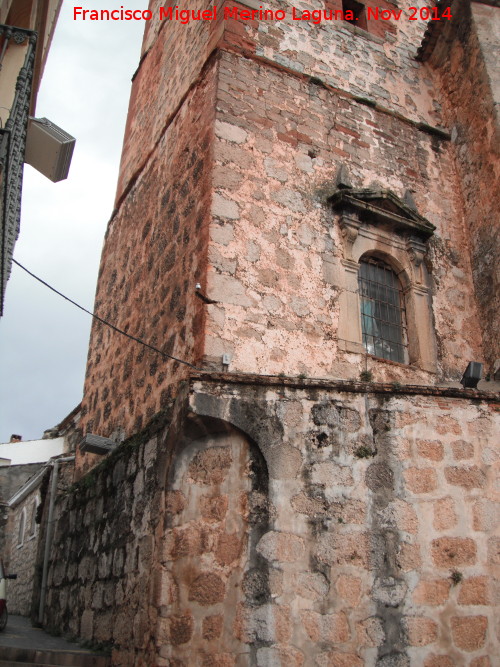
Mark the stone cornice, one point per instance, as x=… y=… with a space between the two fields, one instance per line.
x=347 y=386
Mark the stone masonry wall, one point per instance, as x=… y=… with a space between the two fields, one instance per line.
x=382 y=545
x=103 y=570
x=153 y=257
x=173 y=57
x=355 y=61
x=295 y=522
x=217 y=513
x=289 y=102
x=464 y=61
x=276 y=246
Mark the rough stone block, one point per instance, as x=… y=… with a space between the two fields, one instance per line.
x=349 y=588
x=408 y=557
x=290 y=199
x=336 y=659
x=469 y=632
x=281 y=547
x=485 y=515
x=218 y=660
x=343 y=549
x=180 y=628
x=222 y=234
x=432 y=592
x=230 y=132
x=211 y=466
x=434 y=660
x=474 y=591
x=370 y=632
x=268 y=623
x=444 y=514
x=420 y=631
x=310 y=506
x=399 y=515
x=207 y=589
x=228 y=548
x=279 y=656
x=174 y=502
x=212 y=627
x=87 y=624
x=379 y=476
x=214 y=508
x=389 y=591
x=494 y=551
x=274 y=169
x=481 y=661
x=462 y=449
x=421 y=480
x=451 y=551
x=331 y=475
x=183 y=541
x=311 y=585
x=468 y=477
x=325 y=627
x=226 y=289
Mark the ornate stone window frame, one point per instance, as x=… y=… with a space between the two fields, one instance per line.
x=378 y=223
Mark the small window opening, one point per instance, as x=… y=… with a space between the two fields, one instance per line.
x=33 y=525
x=383 y=320
x=357 y=15
x=22 y=525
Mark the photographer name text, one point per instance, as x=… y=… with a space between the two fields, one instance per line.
x=316 y=16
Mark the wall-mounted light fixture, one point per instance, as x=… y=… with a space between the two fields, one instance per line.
x=97 y=444
x=49 y=149
x=472 y=375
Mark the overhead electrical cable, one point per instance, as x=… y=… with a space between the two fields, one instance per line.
x=102 y=321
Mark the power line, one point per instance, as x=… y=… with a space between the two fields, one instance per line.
x=99 y=319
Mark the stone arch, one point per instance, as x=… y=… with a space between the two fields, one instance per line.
x=254 y=417
x=216 y=512
x=401 y=268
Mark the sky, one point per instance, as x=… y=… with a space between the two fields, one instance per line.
x=43 y=338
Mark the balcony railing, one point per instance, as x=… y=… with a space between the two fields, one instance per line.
x=17 y=57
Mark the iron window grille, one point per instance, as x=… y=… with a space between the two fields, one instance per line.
x=383 y=320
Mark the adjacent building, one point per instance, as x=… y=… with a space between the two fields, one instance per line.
x=26 y=29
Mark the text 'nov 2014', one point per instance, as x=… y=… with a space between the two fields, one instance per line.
x=315 y=16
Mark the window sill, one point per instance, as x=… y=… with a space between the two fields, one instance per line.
x=409 y=366
x=362 y=33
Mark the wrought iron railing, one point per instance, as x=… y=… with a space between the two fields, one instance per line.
x=13 y=141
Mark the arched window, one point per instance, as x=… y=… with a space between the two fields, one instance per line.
x=373 y=315
x=383 y=321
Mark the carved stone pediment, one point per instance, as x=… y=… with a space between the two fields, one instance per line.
x=383 y=209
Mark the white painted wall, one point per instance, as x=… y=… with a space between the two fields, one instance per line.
x=31 y=451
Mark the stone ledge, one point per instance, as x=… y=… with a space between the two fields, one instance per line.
x=348 y=386
x=77 y=658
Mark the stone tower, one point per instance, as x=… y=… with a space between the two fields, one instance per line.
x=307 y=215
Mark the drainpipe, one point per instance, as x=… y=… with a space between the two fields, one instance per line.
x=48 y=537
